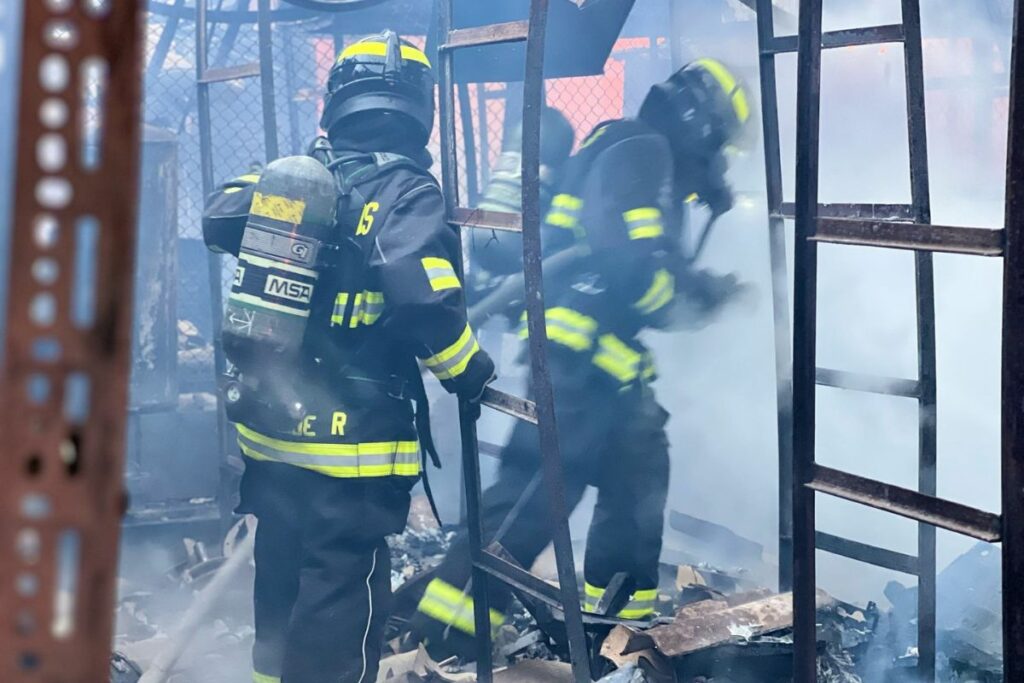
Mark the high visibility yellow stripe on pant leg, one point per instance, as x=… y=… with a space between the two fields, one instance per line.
x=449 y=605
x=257 y=677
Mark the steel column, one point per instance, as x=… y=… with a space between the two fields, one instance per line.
x=780 y=291
x=1013 y=372
x=62 y=455
x=805 y=263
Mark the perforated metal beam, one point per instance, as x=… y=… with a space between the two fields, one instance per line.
x=64 y=388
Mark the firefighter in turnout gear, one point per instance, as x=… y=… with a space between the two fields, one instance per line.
x=332 y=305
x=621 y=197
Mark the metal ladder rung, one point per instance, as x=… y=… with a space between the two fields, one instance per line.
x=916 y=236
x=867 y=553
x=868 y=35
x=872 y=384
x=945 y=514
x=491 y=34
x=895 y=212
x=519 y=408
x=486 y=220
x=230 y=73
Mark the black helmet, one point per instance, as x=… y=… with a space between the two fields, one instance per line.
x=385 y=75
x=702 y=108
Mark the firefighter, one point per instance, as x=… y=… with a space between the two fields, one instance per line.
x=622 y=197
x=344 y=281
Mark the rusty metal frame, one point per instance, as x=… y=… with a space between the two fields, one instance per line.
x=62 y=468
x=486 y=565
x=910 y=230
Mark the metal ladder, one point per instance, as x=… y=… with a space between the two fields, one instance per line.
x=488 y=566
x=900 y=227
x=923 y=388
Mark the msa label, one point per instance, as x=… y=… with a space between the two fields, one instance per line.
x=288 y=289
x=239 y=276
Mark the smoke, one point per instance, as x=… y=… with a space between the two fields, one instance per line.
x=719 y=382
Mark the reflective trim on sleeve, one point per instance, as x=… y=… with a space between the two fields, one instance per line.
x=616 y=358
x=640 y=605
x=257 y=677
x=342 y=460
x=566 y=327
x=277 y=208
x=449 y=605
x=452 y=361
x=366 y=309
x=659 y=294
x=564 y=212
x=441 y=273
x=644 y=223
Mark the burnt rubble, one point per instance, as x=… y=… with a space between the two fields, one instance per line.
x=712 y=626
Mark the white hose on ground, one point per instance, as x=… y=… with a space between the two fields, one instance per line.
x=200 y=609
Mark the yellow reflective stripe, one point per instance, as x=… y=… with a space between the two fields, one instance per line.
x=257 y=677
x=340 y=302
x=645 y=595
x=277 y=208
x=447 y=604
x=644 y=213
x=378 y=49
x=692 y=197
x=336 y=449
x=729 y=85
x=660 y=293
x=399 y=469
x=593 y=591
x=567 y=201
x=561 y=220
x=566 y=327
x=638 y=613
x=646 y=232
x=440 y=273
x=616 y=358
x=247 y=178
x=453 y=361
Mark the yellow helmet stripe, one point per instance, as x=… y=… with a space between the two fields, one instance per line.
x=377 y=49
x=729 y=85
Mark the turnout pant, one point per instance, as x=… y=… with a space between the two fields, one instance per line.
x=616 y=443
x=323 y=571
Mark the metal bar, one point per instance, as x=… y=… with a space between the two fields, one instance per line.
x=533 y=104
x=805 y=275
x=485 y=134
x=469 y=143
x=163 y=45
x=230 y=73
x=492 y=34
x=916 y=236
x=519 y=408
x=780 y=292
x=872 y=384
x=63 y=494
x=266 y=44
x=486 y=220
x=1013 y=370
x=868 y=35
x=294 y=127
x=891 y=212
x=467 y=421
x=519 y=578
x=927 y=483
x=945 y=514
x=869 y=554
x=213 y=261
